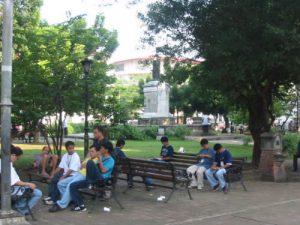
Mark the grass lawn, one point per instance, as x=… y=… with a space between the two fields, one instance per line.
x=137 y=149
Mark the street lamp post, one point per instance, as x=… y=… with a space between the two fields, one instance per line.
x=6 y=104
x=86 y=63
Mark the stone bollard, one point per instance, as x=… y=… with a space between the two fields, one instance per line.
x=271 y=163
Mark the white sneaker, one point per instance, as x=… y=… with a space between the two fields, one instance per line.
x=200 y=188
x=49 y=202
x=47 y=198
x=192 y=186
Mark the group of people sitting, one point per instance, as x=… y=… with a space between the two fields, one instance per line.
x=68 y=175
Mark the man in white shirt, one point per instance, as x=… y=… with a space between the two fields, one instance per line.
x=20 y=205
x=69 y=166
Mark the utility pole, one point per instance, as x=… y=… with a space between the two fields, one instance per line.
x=6 y=104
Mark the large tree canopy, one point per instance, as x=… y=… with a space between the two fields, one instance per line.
x=251 y=49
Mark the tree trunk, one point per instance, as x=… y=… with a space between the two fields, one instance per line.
x=36 y=136
x=260 y=121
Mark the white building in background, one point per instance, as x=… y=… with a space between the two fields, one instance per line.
x=130 y=71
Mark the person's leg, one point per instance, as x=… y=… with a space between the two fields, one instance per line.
x=44 y=165
x=210 y=177
x=93 y=172
x=54 y=163
x=66 y=197
x=52 y=188
x=200 y=172
x=21 y=205
x=147 y=181
x=74 y=191
x=37 y=194
x=62 y=184
x=220 y=175
x=191 y=172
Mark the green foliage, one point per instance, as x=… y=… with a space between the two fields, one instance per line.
x=251 y=49
x=246 y=140
x=150 y=132
x=47 y=74
x=125 y=131
x=179 y=131
x=290 y=142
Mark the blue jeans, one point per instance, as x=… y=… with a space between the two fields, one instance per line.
x=20 y=205
x=64 y=189
x=93 y=175
x=53 y=191
x=213 y=174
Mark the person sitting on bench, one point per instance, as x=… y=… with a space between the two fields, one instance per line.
x=21 y=204
x=43 y=161
x=215 y=175
x=167 y=150
x=206 y=158
x=95 y=173
x=64 y=188
x=68 y=166
x=118 y=152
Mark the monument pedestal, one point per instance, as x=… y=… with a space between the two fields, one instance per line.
x=156 y=102
x=271 y=163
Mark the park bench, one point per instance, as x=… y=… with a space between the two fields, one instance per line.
x=98 y=190
x=158 y=170
x=182 y=161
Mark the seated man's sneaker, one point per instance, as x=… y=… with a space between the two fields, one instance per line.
x=49 y=202
x=79 y=209
x=225 y=189
x=216 y=187
x=192 y=186
x=55 y=208
x=200 y=187
x=47 y=198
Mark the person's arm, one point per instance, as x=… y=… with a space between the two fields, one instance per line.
x=101 y=166
x=24 y=184
x=57 y=170
x=228 y=160
x=68 y=173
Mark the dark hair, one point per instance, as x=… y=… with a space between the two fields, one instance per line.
x=164 y=139
x=69 y=143
x=203 y=141
x=97 y=147
x=109 y=146
x=120 y=142
x=99 y=128
x=217 y=147
x=14 y=150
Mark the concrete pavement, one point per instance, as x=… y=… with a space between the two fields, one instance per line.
x=265 y=203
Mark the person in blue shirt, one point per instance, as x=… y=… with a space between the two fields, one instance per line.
x=167 y=150
x=215 y=175
x=99 y=172
x=206 y=158
x=118 y=152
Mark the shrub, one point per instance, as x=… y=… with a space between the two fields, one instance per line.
x=246 y=140
x=70 y=129
x=150 y=132
x=125 y=131
x=290 y=142
x=179 y=131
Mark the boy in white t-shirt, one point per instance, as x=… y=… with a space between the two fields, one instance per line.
x=20 y=205
x=69 y=166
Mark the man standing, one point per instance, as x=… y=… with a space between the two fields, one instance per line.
x=69 y=166
x=215 y=175
x=206 y=158
x=99 y=136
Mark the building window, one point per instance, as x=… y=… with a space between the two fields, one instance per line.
x=119 y=67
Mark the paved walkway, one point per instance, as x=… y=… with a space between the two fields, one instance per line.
x=265 y=203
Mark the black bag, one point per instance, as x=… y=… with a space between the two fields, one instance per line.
x=20 y=192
